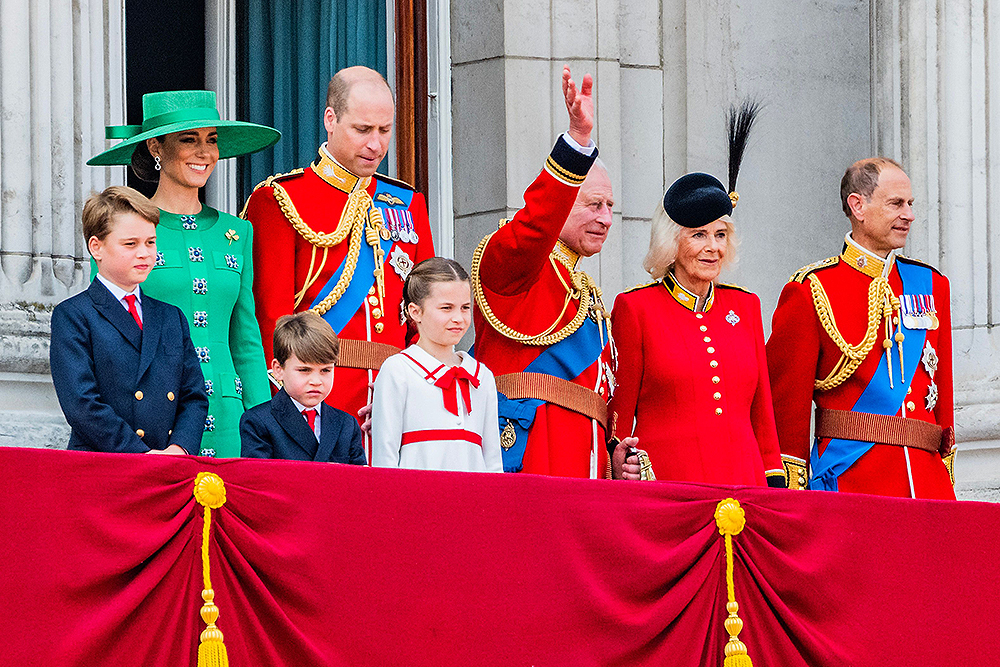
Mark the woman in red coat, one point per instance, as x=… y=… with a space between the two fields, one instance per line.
x=692 y=373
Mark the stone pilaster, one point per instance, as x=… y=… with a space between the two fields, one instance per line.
x=61 y=67
x=934 y=72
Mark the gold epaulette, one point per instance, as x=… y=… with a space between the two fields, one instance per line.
x=919 y=263
x=731 y=286
x=796 y=471
x=641 y=286
x=804 y=272
x=267 y=183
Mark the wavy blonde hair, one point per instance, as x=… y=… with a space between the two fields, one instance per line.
x=665 y=239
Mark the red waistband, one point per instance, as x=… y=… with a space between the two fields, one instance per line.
x=411 y=437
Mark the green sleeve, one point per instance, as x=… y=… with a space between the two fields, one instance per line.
x=244 y=334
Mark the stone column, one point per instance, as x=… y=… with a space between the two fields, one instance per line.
x=935 y=70
x=60 y=69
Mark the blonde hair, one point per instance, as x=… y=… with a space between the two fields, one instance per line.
x=307 y=336
x=101 y=208
x=665 y=240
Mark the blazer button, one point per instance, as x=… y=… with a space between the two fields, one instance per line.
x=703 y=328
x=379 y=327
x=139 y=432
x=716 y=379
x=910 y=406
x=138 y=395
x=718 y=411
x=717 y=396
x=170 y=395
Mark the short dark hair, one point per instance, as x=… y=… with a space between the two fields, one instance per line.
x=339 y=88
x=862 y=178
x=100 y=209
x=307 y=336
x=432 y=270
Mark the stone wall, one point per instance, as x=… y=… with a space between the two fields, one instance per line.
x=60 y=74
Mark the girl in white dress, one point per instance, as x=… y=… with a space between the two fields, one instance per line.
x=435 y=408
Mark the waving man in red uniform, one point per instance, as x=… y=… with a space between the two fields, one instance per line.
x=867 y=337
x=540 y=323
x=340 y=239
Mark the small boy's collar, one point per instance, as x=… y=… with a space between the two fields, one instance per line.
x=117 y=291
x=301 y=408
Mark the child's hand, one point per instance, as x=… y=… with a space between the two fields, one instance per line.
x=171 y=450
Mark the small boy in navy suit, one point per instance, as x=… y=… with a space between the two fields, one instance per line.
x=123 y=365
x=296 y=424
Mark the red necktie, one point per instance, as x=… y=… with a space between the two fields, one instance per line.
x=130 y=300
x=310 y=416
x=456 y=375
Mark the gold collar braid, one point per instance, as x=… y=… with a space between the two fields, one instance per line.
x=583 y=288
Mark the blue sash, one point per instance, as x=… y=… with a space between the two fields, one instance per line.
x=878 y=398
x=564 y=360
x=341 y=312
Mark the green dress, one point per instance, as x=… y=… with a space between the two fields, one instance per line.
x=204 y=266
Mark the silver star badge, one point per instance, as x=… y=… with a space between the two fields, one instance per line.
x=732 y=318
x=932 y=396
x=930 y=361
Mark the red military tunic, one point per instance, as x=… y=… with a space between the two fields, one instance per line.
x=695 y=383
x=801 y=352
x=523 y=278
x=283 y=258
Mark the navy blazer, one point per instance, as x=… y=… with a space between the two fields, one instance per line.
x=125 y=389
x=277 y=430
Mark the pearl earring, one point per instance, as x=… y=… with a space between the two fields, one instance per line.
x=156 y=158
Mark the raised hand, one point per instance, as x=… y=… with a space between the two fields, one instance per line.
x=580 y=105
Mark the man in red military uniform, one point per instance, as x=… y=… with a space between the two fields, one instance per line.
x=867 y=337
x=540 y=324
x=340 y=239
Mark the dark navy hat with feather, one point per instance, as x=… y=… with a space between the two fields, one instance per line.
x=696 y=199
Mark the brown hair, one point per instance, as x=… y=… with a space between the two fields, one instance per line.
x=862 y=178
x=306 y=335
x=100 y=208
x=143 y=164
x=339 y=88
x=433 y=270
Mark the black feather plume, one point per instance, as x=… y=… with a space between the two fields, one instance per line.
x=741 y=120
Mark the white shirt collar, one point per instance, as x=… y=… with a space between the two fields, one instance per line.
x=117 y=291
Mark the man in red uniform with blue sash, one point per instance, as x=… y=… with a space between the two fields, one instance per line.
x=867 y=337
x=540 y=324
x=340 y=239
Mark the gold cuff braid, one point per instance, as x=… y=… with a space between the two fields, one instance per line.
x=796 y=471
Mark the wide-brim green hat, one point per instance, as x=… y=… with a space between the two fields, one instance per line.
x=180 y=110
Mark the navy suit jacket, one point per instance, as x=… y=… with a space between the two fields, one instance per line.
x=115 y=381
x=277 y=430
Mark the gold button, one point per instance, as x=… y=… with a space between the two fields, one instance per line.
x=717 y=396
x=909 y=390
x=910 y=406
x=138 y=395
x=718 y=411
x=601 y=391
x=371 y=292
x=703 y=328
x=713 y=363
x=376 y=312
x=716 y=380
x=699 y=315
x=711 y=350
x=170 y=395
x=802 y=481
x=379 y=327
x=373 y=300
x=707 y=339
x=170 y=432
x=139 y=432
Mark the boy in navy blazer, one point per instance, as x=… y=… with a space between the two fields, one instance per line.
x=296 y=424
x=123 y=365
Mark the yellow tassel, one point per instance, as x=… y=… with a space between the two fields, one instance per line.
x=730 y=518
x=209 y=491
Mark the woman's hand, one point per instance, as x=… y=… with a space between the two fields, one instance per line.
x=580 y=105
x=624 y=465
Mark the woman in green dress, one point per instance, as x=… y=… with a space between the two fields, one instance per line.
x=204 y=259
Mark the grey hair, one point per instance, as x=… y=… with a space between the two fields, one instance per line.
x=665 y=239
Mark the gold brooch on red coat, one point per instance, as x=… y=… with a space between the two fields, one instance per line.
x=930 y=361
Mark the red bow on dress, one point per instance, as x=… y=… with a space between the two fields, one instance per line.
x=460 y=376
